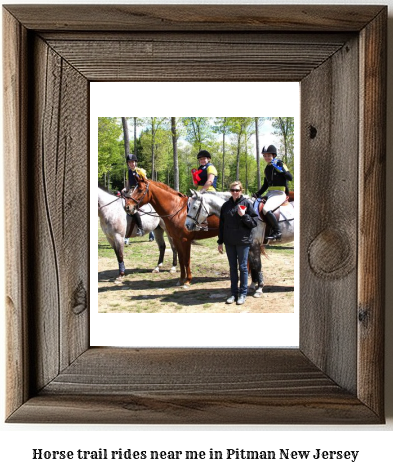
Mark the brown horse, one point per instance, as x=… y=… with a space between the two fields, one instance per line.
x=171 y=206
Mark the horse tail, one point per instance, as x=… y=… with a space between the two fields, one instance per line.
x=263 y=251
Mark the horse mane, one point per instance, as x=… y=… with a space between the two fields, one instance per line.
x=167 y=188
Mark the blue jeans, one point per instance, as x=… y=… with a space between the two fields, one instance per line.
x=238 y=254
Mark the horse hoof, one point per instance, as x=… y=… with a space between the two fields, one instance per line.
x=172 y=270
x=156 y=270
x=119 y=279
x=186 y=286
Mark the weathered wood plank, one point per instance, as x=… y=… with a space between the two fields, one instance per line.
x=60 y=213
x=193 y=386
x=195 y=17
x=371 y=243
x=16 y=228
x=175 y=60
x=329 y=190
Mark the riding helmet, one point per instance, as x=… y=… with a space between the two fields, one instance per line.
x=131 y=157
x=203 y=154
x=270 y=149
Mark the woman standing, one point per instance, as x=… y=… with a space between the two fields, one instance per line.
x=237 y=219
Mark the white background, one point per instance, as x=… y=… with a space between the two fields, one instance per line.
x=373 y=442
x=197 y=99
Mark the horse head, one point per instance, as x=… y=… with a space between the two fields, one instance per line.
x=137 y=197
x=197 y=213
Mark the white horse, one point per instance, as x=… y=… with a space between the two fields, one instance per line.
x=116 y=225
x=200 y=206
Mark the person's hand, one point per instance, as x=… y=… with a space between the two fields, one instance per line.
x=220 y=248
x=278 y=164
x=241 y=210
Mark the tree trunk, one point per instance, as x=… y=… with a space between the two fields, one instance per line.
x=223 y=161
x=239 y=138
x=153 y=136
x=135 y=147
x=257 y=152
x=175 y=157
x=126 y=136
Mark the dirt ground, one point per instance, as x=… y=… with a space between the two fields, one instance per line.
x=142 y=291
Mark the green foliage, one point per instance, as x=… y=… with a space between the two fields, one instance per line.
x=109 y=144
x=154 y=148
x=284 y=129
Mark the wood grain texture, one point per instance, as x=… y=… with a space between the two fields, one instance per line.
x=16 y=229
x=195 y=17
x=329 y=194
x=60 y=212
x=193 y=386
x=371 y=231
x=222 y=58
x=336 y=375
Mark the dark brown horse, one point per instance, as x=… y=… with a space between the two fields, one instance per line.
x=171 y=206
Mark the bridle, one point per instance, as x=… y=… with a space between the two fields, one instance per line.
x=154 y=214
x=200 y=225
x=141 y=198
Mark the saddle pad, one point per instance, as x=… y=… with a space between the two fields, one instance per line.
x=287 y=213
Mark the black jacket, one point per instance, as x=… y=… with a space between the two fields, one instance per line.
x=275 y=178
x=236 y=230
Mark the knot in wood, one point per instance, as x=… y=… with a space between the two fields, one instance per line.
x=80 y=299
x=331 y=255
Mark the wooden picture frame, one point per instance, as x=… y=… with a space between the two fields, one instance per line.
x=338 y=54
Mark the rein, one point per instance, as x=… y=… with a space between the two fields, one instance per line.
x=101 y=207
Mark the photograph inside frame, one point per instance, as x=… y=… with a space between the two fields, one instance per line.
x=196 y=214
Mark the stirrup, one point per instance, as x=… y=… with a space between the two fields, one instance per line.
x=275 y=236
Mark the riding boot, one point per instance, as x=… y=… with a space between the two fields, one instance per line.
x=276 y=233
x=138 y=222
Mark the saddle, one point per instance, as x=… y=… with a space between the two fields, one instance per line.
x=277 y=213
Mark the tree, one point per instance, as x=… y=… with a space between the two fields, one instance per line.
x=198 y=131
x=284 y=129
x=175 y=157
x=222 y=125
x=126 y=136
x=238 y=127
x=155 y=124
x=257 y=152
x=109 y=146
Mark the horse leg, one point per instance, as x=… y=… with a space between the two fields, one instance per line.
x=254 y=258
x=159 y=235
x=174 y=255
x=187 y=262
x=118 y=247
x=182 y=263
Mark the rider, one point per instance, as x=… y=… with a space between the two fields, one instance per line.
x=133 y=173
x=275 y=183
x=205 y=177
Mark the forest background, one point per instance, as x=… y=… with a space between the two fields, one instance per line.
x=167 y=148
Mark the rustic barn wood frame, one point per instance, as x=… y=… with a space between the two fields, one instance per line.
x=338 y=54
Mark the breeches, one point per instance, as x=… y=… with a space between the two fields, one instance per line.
x=274 y=200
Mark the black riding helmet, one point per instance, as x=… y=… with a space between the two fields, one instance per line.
x=131 y=157
x=270 y=149
x=203 y=154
